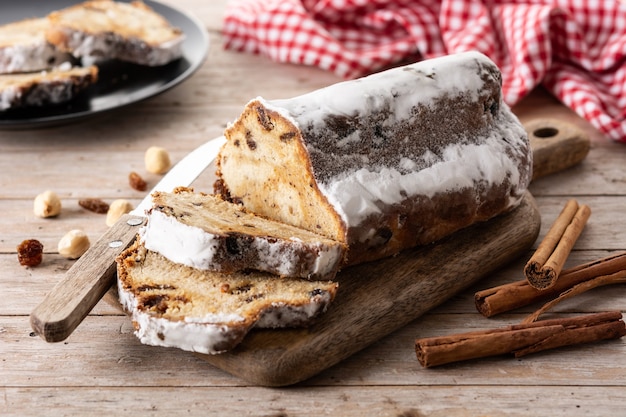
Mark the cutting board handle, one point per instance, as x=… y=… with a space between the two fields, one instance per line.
x=556 y=145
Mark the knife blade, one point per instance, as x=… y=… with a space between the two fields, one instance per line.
x=90 y=277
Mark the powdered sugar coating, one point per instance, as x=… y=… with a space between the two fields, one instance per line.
x=178 y=242
x=355 y=195
x=8 y=96
x=284 y=315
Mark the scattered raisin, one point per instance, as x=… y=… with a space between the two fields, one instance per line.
x=29 y=252
x=94 y=204
x=225 y=288
x=137 y=182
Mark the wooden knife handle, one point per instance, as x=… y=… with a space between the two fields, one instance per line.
x=556 y=145
x=84 y=284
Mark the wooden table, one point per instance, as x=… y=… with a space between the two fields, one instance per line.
x=102 y=369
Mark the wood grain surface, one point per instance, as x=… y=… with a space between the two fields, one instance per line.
x=102 y=369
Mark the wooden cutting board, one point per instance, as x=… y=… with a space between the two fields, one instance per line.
x=377 y=298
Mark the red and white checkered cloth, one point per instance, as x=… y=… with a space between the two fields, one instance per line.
x=575 y=48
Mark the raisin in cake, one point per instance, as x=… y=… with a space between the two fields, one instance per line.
x=54 y=86
x=396 y=159
x=24 y=48
x=205 y=232
x=173 y=305
x=105 y=29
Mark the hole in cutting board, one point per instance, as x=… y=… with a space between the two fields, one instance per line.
x=546 y=132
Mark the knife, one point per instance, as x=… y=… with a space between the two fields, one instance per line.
x=86 y=282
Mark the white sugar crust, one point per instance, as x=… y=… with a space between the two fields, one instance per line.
x=355 y=194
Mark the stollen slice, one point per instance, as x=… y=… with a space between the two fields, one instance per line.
x=55 y=86
x=24 y=48
x=206 y=232
x=105 y=29
x=173 y=305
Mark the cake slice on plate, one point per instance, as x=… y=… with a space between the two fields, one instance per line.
x=24 y=48
x=54 y=86
x=105 y=29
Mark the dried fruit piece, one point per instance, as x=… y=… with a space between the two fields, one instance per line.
x=137 y=182
x=157 y=160
x=94 y=204
x=73 y=244
x=47 y=204
x=117 y=209
x=30 y=252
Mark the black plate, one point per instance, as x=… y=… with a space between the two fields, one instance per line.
x=119 y=83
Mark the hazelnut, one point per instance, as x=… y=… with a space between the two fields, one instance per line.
x=73 y=244
x=47 y=204
x=157 y=160
x=116 y=210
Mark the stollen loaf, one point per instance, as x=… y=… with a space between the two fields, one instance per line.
x=393 y=160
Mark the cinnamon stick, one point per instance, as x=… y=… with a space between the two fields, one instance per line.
x=583 y=329
x=520 y=339
x=544 y=267
x=507 y=297
x=616 y=278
